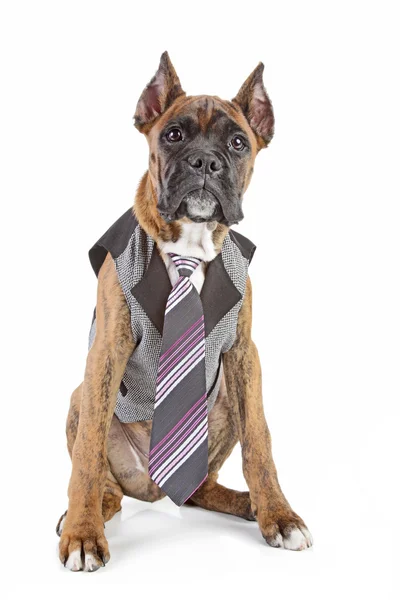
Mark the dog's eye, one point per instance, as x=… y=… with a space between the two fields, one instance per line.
x=174 y=135
x=237 y=143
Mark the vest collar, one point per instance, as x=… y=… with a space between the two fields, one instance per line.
x=218 y=294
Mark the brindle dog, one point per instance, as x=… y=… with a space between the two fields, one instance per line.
x=202 y=152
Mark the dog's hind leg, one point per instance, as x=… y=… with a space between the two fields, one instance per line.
x=214 y=496
x=222 y=438
x=112 y=498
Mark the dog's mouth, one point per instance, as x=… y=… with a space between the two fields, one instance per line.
x=200 y=206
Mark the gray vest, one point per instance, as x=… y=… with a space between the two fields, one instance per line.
x=146 y=285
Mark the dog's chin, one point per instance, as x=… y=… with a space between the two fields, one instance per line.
x=199 y=206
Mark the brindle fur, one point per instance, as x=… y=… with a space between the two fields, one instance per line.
x=95 y=401
x=109 y=458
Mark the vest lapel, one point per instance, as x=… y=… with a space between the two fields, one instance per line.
x=218 y=294
x=153 y=289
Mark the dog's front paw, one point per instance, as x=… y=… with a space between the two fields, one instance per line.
x=284 y=530
x=83 y=546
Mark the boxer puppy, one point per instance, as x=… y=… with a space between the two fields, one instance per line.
x=202 y=153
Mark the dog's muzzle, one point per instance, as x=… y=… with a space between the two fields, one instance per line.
x=201 y=188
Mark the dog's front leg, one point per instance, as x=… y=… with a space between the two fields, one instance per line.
x=279 y=524
x=83 y=544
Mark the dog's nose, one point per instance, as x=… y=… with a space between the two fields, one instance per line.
x=204 y=162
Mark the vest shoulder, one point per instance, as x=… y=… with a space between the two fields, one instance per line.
x=114 y=240
x=246 y=246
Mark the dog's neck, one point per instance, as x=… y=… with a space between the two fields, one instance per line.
x=196 y=239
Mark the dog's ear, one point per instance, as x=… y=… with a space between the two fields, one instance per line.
x=163 y=89
x=256 y=106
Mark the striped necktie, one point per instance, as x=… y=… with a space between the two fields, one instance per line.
x=178 y=458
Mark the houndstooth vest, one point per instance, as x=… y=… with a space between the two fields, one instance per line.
x=145 y=282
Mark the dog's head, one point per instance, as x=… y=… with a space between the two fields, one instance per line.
x=202 y=148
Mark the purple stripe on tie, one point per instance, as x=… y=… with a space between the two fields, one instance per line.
x=181 y=455
x=185 y=416
x=180 y=351
x=185 y=351
x=164 y=389
x=182 y=336
x=165 y=363
x=190 y=263
x=184 y=368
x=179 y=283
x=181 y=259
x=177 y=288
x=181 y=291
x=201 y=409
x=162 y=449
x=179 y=442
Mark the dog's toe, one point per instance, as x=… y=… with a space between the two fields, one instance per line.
x=297 y=539
x=91 y=563
x=74 y=561
x=275 y=541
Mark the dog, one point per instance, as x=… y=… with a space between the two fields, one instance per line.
x=202 y=153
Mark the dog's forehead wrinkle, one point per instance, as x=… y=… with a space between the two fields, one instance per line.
x=184 y=120
x=217 y=127
x=205 y=115
x=206 y=110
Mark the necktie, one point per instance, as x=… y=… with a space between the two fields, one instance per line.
x=178 y=458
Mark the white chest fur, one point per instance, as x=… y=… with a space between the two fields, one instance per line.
x=195 y=240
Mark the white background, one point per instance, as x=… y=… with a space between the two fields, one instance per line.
x=323 y=209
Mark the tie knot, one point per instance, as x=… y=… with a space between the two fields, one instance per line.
x=185 y=264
